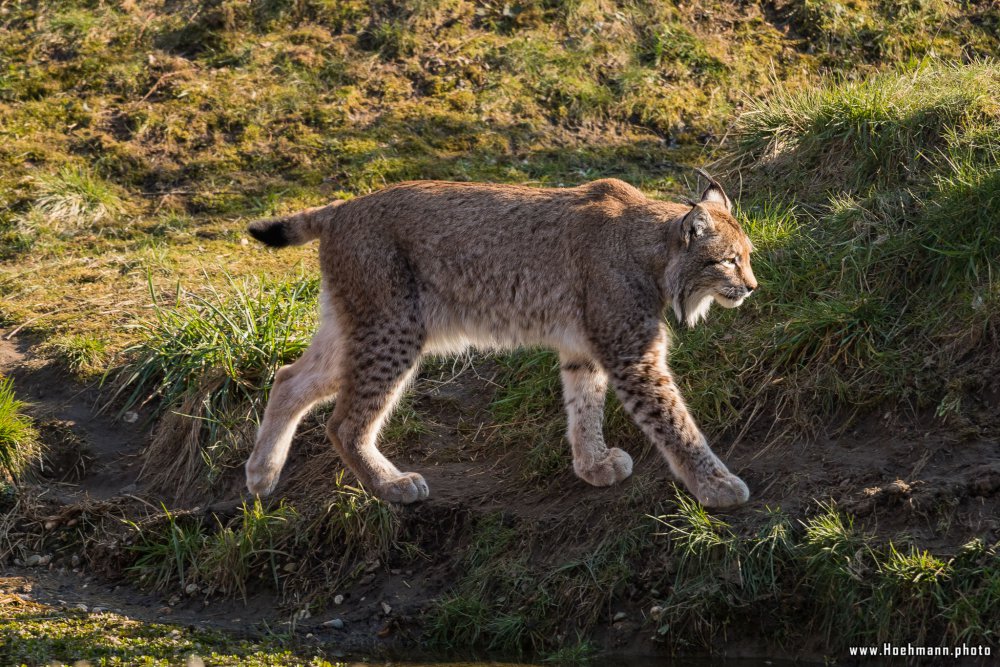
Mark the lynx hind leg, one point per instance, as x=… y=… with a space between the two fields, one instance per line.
x=651 y=398
x=297 y=387
x=384 y=361
x=585 y=386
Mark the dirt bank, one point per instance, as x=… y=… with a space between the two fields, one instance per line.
x=908 y=480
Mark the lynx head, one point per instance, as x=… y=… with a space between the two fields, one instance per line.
x=714 y=259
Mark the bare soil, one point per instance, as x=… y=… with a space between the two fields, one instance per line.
x=915 y=476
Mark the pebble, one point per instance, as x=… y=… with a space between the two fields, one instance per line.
x=33 y=560
x=98 y=610
x=338 y=599
x=130 y=417
x=620 y=616
x=191 y=589
x=194 y=661
x=334 y=623
x=386 y=608
x=81 y=607
x=291 y=567
x=656 y=612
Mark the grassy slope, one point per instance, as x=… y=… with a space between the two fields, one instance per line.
x=137 y=138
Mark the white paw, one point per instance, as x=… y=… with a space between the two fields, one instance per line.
x=614 y=467
x=407 y=488
x=261 y=479
x=722 y=490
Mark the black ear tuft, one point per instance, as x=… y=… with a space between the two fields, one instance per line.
x=714 y=192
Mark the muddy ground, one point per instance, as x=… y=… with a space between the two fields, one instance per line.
x=913 y=476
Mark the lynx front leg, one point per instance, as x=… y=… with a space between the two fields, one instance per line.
x=649 y=395
x=584 y=388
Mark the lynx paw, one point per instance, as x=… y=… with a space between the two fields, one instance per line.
x=407 y=488
x=722 y=490
x=261 y=479
x=614 y=467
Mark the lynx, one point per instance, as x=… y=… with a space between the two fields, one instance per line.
x=433 y=267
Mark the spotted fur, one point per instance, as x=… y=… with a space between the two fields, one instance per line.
x=435 y=267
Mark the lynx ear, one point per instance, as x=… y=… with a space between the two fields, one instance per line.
x=714 y=193
x=695 y=224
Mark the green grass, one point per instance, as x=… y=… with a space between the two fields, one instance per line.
x=276 y=546
x=74 y=198
x=19 y=445
x=208 y=361
x=820 y=578
x=166 y=553
x=510 y=603
x=83 y=355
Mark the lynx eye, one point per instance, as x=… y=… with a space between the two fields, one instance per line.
x=729 y=263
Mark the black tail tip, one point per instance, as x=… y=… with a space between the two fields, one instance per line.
x=273 y=233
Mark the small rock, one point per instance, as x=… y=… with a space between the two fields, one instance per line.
x=338 y=599
x=620 y=616
x=194 y=661
x=98 y=610
x=302 y=614
x=334 y=623
x=899 y=487
x=130 y=417
x=656 y=612
x=51 y=524
x=386 y=609
x=191 y=589
x=80 y=607
x=45 y=560
x=291 y=567
x=33 y=560
x=75 y=561
x=174 y=599
x=395 y=571
x=309 y=635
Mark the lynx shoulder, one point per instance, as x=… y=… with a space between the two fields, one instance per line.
x=426 y=266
